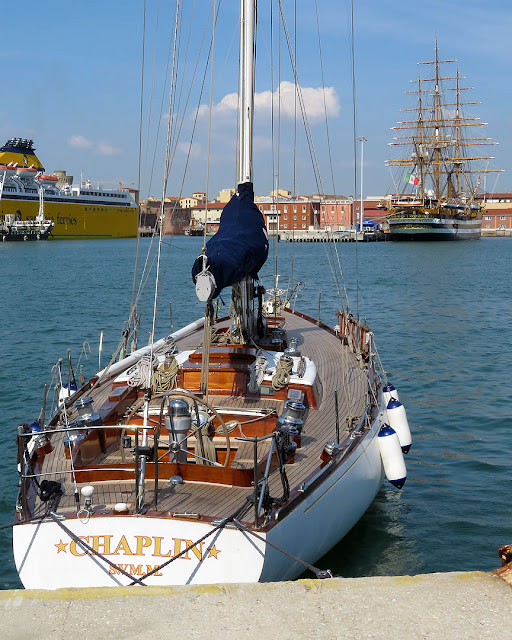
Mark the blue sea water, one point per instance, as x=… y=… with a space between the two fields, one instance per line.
x=441 y=315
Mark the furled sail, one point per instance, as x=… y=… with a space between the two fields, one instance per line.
x=238 y=249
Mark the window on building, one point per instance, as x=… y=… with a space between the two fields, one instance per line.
x=285 y=217
x=285 y=226
x=303 y=226
x=294 y=209
x=487 y=218
x=487 y=226
x=285 y=208
x=295 y=217
x=503 y=217
x=303 y=217
x=303 y=208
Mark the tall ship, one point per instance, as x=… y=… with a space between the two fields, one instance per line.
x=26 y=190
x=437 y=174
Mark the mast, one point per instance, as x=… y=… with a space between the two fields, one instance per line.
x=236 y=253
x=438 y=148
x=438 y=118
x=458 y=146
x=419 y=144
x=246 y=83
x=245 y=136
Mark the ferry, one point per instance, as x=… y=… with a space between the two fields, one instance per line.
x=83 y=211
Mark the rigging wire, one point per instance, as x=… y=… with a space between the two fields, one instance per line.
x=148 y=265
x=166 y=177
x=210 y=110
x=162 y=102
x=305 y=120
x=178 y=129
x=150 y=107
x=324 y=101
x=278 y=176
x=331 y=245
x=354 y=133
x=333 y=258
x=133 y=310
x=275 y=200
x=294 y=138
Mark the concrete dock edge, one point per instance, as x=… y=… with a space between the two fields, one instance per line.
x=445 y=606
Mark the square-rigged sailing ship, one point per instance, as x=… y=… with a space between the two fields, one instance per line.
x=440 y=175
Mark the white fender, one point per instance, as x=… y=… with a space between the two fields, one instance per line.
x=392 y=456
x=66 y=393
x=389 y=393
x=397 y=420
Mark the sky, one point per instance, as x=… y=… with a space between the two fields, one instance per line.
x=72 y=81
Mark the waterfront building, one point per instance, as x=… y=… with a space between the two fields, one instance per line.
x=497 y=214
x=293 y=214
x=189 y=202
x=302 y=213
x=207 y=212
x=336 y=212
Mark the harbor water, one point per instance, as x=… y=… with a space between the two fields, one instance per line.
x=442 y=321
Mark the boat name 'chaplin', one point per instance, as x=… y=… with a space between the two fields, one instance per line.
x=103 y=544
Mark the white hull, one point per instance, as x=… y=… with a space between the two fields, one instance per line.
x=326 y=516
x=47 y=558
x=137 y=545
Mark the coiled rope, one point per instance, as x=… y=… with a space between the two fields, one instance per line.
x=143 y=372
x=166 y=376
x=281 y=378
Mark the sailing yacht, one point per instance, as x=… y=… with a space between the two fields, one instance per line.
x=439 y=197
x=237 y=449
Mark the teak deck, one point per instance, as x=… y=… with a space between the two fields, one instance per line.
x=338 y=369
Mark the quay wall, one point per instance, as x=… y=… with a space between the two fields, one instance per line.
x=323 y=236
x=447 y=606
x=497 y=233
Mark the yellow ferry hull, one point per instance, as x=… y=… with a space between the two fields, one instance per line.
x=76 y=220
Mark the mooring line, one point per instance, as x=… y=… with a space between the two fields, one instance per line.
x=83 y=544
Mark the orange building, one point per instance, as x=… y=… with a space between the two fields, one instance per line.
x=340 y=213
x=336 y=213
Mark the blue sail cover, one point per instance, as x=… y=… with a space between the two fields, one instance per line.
x=240 y=246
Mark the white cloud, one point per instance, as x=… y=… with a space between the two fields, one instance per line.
x=195 y=149
x=80 y=142
x=101 y=148
x=105 y=149
x=313 y=99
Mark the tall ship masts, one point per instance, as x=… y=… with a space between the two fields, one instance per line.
x=437 y=177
